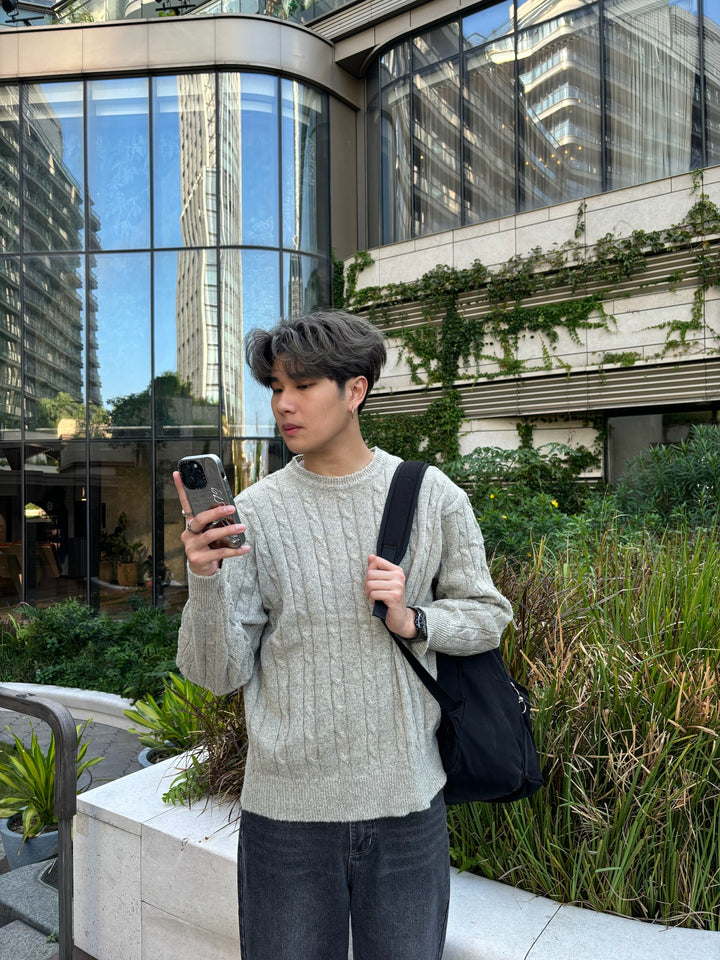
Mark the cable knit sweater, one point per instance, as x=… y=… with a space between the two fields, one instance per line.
x=339 y=728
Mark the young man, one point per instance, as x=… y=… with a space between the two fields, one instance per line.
x=342 y=811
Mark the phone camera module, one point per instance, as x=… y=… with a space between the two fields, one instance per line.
x=193 y=475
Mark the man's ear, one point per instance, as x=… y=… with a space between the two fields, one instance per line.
x=357 y=389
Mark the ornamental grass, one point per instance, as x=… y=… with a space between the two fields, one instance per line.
x=619 y=642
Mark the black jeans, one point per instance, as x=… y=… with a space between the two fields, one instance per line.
x=300 y=883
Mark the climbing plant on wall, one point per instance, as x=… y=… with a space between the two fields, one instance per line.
x=474 y=315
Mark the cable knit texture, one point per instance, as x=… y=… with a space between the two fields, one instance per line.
x=339 y=728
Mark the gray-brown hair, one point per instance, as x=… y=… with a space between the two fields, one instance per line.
x=329 y=343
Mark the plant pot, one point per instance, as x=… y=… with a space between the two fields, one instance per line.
x=127 y=574
x=151 y=755
x=106 y=571
x=33 y=850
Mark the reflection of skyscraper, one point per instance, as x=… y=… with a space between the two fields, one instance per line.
x=50 y=299
x=200 y=344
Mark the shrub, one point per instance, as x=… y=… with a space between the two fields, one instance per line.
x=68 y=644
x=677 y=484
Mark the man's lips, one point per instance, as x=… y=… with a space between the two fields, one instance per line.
x=290 y=428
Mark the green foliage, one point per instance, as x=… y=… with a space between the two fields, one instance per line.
x=431 y=436
x=675 y=484
x=28 y=778
x=68 y=644
x=618 y=643
x=522 y=497
x=217 y=767
x=172 y=720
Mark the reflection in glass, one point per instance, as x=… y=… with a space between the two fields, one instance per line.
x=186 y=379
x=10 y=524
x=305 y=190
x=652 y=60
x=55 y=522
x=184 y=160
x=247 y=461
x=559 y=94
x=120 y=510
x=436 y=148
x=396 y=152
x=118 y=162
x=306 y=284
x=9 y=169
x=486 y=25
x=395 y=63
x=439 y=43
x=124 y=348
x=249 y=195
x=54 y=342
x=489 y=131
x=711 y=41
x=10 y=350
x=53 y=160
x=249 y=299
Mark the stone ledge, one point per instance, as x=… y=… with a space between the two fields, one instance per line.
x=105 y=708
x=143 y=869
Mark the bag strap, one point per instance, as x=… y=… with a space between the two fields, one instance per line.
x=392 y=543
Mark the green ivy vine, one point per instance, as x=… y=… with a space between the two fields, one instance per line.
x=468 y=312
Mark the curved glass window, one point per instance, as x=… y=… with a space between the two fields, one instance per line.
x=146 y=224
x=509 y=109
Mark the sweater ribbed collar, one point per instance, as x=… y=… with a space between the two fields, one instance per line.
x=317 y=480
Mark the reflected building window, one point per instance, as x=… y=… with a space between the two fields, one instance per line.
x=122 y=321
x=557 y=101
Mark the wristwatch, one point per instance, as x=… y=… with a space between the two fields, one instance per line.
x=420 y=624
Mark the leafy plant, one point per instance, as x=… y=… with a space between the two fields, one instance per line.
x=172 y=722
x=28 y=776
x=117 y=547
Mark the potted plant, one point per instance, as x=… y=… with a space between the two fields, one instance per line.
x=172 y=724
x=27 y=776
x=125 y=556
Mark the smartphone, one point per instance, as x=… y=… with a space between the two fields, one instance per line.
x=207 y=486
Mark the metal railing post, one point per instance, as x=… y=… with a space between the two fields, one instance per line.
x=63 y=727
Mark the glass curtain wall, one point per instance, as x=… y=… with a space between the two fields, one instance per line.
x=145 y=225
x=513 y=108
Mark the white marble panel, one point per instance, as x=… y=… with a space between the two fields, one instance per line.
x=132 y=800
x=625 y=195
x=401 y=269
x=479 y=924
x=168 y=937
x=584 y=935
x=107 y=882
x=545 y=234
x=491 y=248
x=186 y=853
x=646 y=213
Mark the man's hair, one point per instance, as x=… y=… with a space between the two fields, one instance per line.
x=329 y=343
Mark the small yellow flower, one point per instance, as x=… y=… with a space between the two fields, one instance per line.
x=554 y=502
x=492 y=496
x=504 y=517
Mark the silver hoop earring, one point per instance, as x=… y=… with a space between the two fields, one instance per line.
x=352 y=413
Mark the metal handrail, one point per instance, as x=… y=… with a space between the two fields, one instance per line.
x=63 y=727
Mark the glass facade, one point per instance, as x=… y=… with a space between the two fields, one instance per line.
x=513 y=108
x=142 y=233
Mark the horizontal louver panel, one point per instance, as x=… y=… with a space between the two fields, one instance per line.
x=587 y=391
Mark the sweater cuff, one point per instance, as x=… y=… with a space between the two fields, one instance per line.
x=203 y=590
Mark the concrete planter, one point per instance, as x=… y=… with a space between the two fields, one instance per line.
x=152 y=880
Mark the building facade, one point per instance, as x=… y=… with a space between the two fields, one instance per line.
x=173 y=174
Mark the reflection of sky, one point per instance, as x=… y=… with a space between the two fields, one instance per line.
x=123 y=318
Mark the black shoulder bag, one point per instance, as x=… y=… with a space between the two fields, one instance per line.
x=485 y=735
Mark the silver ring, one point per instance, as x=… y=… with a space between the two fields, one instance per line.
x=186 y=514
x=188 y=526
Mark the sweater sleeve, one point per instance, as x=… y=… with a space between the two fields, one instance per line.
x=221 y=626
x=468 y=614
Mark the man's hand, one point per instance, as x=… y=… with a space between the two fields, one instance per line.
x=204 y=546
x=386 y=582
